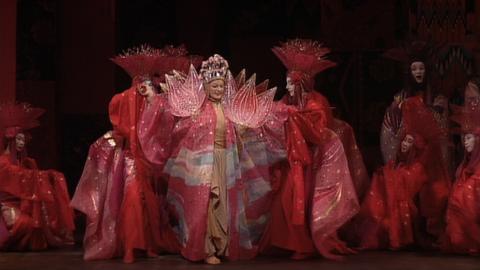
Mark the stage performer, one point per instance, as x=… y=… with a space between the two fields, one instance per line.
x=35 y=212
x=317 y=195
x=434 y=194
x=389 y=215
x=463 y=212
x=118 y=188
x=217 y=196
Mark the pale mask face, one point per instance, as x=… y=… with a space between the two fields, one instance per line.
x=20 y=142
x=407 y=143
x=290 y=87
x=469 y=142
x=472 y=95
x=146 y=88
x=215 y=89
x=418 y=71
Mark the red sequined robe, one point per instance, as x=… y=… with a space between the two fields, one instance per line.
x=463 y=211
x=34 y=207
x=389 y=213
x=316 y=195
x=117 y=190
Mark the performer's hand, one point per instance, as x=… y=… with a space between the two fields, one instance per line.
x=114 y=138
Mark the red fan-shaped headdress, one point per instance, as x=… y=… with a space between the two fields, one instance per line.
x=15 y=118
x=303 y=59
x=138 y=61
x=174 y=58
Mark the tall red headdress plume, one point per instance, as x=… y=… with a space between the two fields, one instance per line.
x=303 y=57
x=138 y=61
x=18 y=117
x=175 y=58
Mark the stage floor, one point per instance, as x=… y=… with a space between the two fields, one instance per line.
x=72 y=259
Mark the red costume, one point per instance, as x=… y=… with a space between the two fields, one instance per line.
x=389 y=216
x=463 y=211
x=118 y=188
x=34 y=203
x=218 y=193
x=316 y=195
x=434 y=194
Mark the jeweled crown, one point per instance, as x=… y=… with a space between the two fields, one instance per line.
x=216 y=67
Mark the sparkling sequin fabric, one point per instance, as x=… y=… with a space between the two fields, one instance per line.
x=463 y=212
x=190 y=170
x=316 y=195
x=35 y=213
x=191 y=151
x=98 y=195
x=117 y=190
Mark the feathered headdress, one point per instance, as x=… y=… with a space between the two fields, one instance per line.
x=303 y=59
x=19 y=117
x=138 y=61
x=174 y=58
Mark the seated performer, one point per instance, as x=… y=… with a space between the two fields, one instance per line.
x=35 y=212
x=434 y=194
x=389 y=215
x=463 y=211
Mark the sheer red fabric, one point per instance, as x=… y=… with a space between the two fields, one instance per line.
x=463 y=213
x=389 y=213
x=139 y=226
x=35 y=207
x=462 y=234
x=125 y=213
x=409 y=190
x=316 y=195
x=433 y=198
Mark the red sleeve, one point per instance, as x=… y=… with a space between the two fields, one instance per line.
x=26 y=184
x=117 y=117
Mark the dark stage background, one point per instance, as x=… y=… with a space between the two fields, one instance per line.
x=63 y=48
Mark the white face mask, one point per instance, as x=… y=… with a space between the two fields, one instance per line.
x=145 y=88
x=417 y=70
x=20 y=141
x=472 y=95
x=290 y=87
x=469 y=141
x=407 y=143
